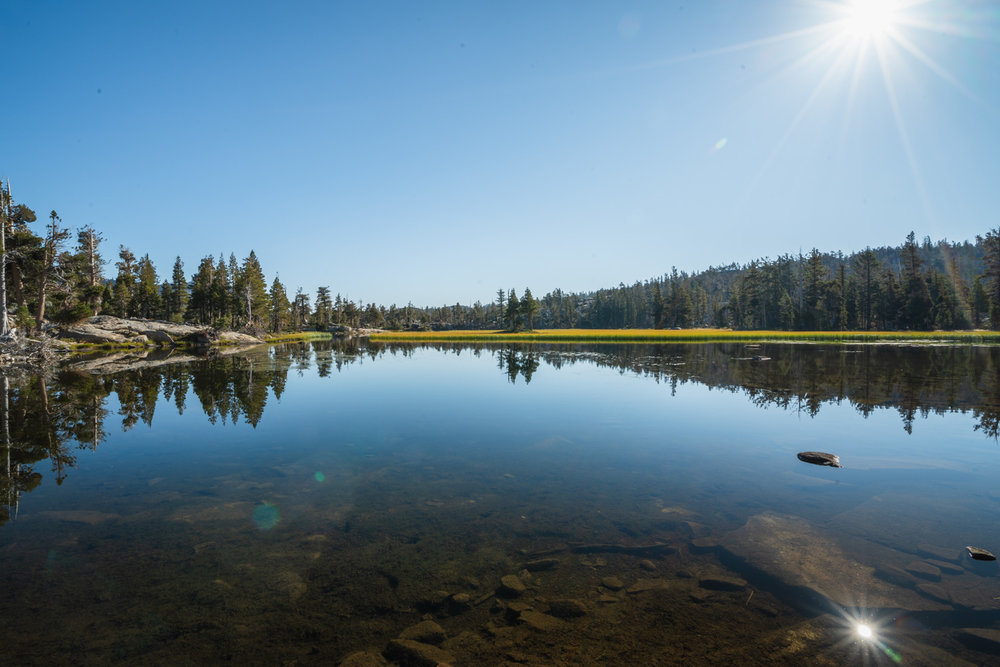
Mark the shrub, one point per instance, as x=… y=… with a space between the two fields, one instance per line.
x=73 y=314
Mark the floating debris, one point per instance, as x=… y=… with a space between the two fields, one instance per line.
x=980 y=554
x=820 y=459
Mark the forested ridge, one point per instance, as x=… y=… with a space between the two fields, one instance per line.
x=54 y=274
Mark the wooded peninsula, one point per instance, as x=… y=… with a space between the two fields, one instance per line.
x=47 y=277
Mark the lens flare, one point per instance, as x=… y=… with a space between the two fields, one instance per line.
x=319 y=476
x=266 y=516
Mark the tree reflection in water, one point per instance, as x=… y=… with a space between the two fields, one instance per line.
x=51 y=417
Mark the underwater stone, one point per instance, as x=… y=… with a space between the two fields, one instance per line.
x=983 y=639
x=613 y=583
x=363 y=659
x=798 y=554
x=820 y=459
x=541 y=564
x=948 y=568
x=643 y=585
x=540 y=621
x=647 y=565
x=934 y=592
x=941 y=553
x=567 y=608
x=980 y=554
x=511 y=585
x=923 y=570
x=701 y=545
x=409 y=652
x=427 y=632
x=894 y=575
x=722 y=583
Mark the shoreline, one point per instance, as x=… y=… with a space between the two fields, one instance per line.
x=691 y=336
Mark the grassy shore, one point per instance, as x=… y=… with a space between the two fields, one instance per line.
x=687 y=336
x=298 y=337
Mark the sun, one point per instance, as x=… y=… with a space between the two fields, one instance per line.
x=870 y=19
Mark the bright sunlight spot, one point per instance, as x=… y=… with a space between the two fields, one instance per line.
x=870 y=19
x=864 y=631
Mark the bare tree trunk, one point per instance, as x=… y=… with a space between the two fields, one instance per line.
x=5 y=204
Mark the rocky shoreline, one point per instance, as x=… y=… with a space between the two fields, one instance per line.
x=141 y=337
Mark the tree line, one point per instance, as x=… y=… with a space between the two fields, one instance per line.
x=57 y=275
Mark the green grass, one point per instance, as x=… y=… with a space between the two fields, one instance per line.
x=300 y=336
x=688 y=336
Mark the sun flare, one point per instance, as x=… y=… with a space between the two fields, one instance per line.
x=870 y=19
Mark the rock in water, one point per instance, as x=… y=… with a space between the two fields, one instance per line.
x=820 y=459
x=980 y=554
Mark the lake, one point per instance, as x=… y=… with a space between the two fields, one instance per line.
x=532 y=504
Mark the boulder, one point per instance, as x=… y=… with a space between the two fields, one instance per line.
x=810 y=562
x=541 y=622
x=426 y=632
x=511 y=585
x=409 y=652
x=567 y=608
x=88 y=333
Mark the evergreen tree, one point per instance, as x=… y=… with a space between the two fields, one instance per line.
x=178 y=292
x=90 y=276
x=124 y=282
x=280 y=308
x=991 y=261
x=529 y=307
x=916 y=312
x=222 y=296
x=513 y=312
x=254 y=291
x=54 y=238
x=323 y=316
x=146 y=298
x=199 y=308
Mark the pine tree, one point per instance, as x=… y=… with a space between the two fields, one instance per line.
x=124 y=282
x=253 y=291
x=147 y=292
x=917 y=306
x=178 y=292
x=54 y=238
x=513 y=312
x=324 y=309
x=280 y=308
x=529 y=308
x=199 y=308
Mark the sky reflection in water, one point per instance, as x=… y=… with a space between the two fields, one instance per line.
x=508 y=448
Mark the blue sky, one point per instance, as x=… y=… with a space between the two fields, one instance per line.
x=434 y=152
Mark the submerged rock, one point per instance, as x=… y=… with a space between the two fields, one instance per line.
x=540 y=621
x=807 y=561
x=981 y=639
x=511 y=585
x=612 y=583
x=980 y=554
x=722 y=583
x=363 y=659
x=820 y=459
x=409 y=652
x=426 y=632
x=567 y=608
x=541 y=564
x=924 y=570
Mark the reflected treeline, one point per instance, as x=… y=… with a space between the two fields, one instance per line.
x=913 y=379
x=46 y=420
